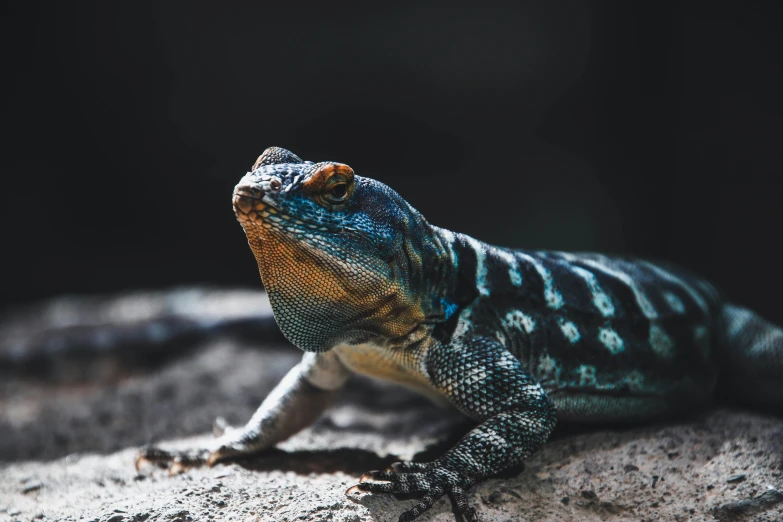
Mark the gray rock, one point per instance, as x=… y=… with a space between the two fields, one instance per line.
x=80 y=441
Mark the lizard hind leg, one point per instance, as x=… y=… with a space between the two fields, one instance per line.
x=752 y=357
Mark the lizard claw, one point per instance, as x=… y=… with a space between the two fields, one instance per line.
x=139 y=461
x=368 y=476
x=352 y=490
x=432 y=480
x=216 y=456
x=176 y=468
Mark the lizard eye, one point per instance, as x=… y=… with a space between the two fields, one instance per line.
x=338 y=191
x=275 y=184
x=331 y=184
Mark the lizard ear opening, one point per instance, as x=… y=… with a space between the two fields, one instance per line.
x=274 y=156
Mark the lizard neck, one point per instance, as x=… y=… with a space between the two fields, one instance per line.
x=424 y=264
x=453 y=269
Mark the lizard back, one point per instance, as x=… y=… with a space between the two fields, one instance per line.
x=598 y=332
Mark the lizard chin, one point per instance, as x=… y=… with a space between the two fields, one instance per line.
x=248 y=209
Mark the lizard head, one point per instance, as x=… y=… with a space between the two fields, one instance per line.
x=339 y=254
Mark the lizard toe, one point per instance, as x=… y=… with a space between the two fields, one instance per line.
x=426 y=502
x=410 y=467
x=387 y=487
x=460 y=500
x=175 y=461
x=152 y=455
x=432 y=484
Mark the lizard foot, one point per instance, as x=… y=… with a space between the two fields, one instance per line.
x=179 y=461
x=431 y=479
x=175 y=461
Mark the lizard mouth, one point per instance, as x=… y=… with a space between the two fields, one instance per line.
x=250 y=205
x=253 y=207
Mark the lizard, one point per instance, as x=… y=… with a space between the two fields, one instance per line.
x=517 y=340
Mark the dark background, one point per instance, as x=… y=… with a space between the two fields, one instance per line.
x=645 y=128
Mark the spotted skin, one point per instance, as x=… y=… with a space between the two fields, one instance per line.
x=515 y=340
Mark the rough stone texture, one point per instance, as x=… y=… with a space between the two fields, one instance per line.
x=69 y=449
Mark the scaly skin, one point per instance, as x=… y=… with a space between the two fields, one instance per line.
x=516 y=340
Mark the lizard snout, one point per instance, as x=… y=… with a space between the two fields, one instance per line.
x=246 y=196
x=247 y=200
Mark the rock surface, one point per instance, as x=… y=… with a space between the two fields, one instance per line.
x=67 y=453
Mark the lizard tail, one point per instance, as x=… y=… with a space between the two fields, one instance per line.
x=752 y=358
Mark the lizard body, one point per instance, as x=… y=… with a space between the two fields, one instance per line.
x=514 y=339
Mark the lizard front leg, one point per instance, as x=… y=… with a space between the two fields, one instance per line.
x=293 y=404
x=487 y=383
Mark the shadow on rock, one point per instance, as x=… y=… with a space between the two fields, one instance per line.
x=349 y=461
